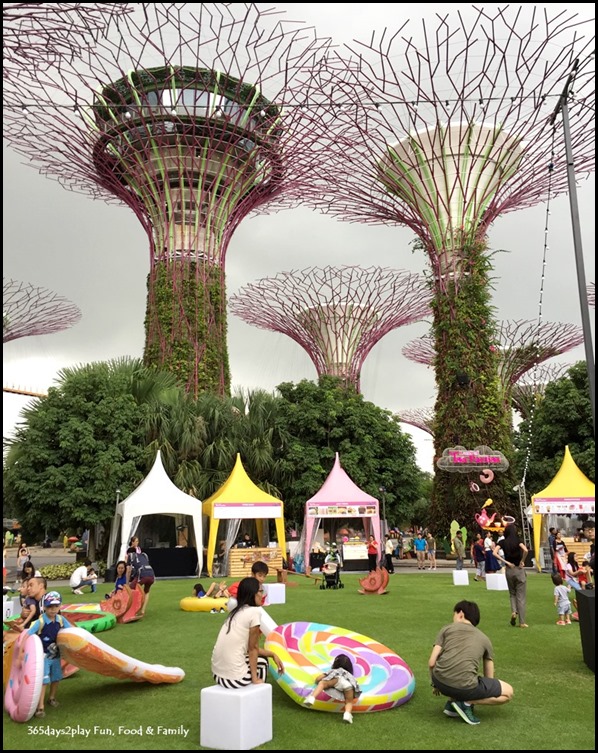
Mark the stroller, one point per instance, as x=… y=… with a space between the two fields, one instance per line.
x=331 y=570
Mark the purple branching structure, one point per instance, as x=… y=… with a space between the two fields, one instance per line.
x=38 y=34
x=529 y=389
x=336 y=314
x=520 y=346
x=445 y=128
x=179 y=112
x=421 y=418
x=28 y=310
x=591 y=289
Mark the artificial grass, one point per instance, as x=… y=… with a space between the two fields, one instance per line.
x=554 y=690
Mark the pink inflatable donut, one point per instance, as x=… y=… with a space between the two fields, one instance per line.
x=25 y=682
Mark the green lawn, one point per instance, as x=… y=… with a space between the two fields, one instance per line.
x=554 y=690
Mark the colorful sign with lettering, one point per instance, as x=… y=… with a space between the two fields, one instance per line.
x=461 y=460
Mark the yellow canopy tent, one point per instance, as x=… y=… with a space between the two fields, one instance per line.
x=569 y=493
x=237 y=498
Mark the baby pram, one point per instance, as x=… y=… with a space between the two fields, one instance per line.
x=331 y=570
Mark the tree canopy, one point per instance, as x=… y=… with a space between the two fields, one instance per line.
x=562 y=417
x=80 y=443
x=325 y=418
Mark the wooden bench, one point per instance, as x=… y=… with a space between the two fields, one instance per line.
x=581 y=548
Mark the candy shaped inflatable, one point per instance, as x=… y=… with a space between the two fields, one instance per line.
x=307 y=649
x=206 y=604
x=124 y=604
x=84 y=650
x=24 y=685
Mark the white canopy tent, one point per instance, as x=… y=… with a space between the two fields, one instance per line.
x=155 y=495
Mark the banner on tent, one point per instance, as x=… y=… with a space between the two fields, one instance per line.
x=245 y=510
x=343 y=511
x=564 y=505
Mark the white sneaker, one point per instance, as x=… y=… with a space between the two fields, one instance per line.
x=78 y=591
x=348 y=717
x=309 y=700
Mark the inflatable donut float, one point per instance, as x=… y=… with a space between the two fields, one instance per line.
x=307 y=649
x=84 y=650
x=89 y=617
x=24 y=685
x=205 y=604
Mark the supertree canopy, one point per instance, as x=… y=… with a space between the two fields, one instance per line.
x=530 y=388
x=27 y=310
x=421 y=418
x=520 y=346
x=37 y=34
x=177 y=112
x=443 y=128
x=336 y=314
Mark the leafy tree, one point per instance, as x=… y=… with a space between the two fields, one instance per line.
x=325 y=418
x=562 y=417
x=83 y=441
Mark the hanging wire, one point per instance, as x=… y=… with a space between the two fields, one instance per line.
x=530 y=422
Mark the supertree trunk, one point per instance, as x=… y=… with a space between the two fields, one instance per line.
x=185 y=324
x=470 y=410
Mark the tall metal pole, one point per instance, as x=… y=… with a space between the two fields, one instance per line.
x=581 y=276
x=384 y=526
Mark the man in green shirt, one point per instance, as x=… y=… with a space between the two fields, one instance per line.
x=454 y=664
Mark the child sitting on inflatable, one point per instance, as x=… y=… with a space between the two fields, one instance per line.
x=339 y=684
x=215 y=591
x=47 y=627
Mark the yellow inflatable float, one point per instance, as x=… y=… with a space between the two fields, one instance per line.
x=205 y=604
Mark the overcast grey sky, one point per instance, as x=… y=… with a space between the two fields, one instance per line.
x=97 y=255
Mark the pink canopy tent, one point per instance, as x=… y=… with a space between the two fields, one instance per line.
x=339 y=497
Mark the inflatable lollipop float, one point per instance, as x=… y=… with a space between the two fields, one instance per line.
x=308 y=648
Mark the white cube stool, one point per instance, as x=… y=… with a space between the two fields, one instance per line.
x=275 y=593
x=460 y=578
x=496 y=582
x=238 y=719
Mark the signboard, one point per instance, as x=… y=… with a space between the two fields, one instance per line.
x=342 y=511
x=355 y=551
x=460 y=460
x=246 y=510
x=564 y=505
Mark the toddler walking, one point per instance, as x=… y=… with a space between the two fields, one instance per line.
x=561 y=600
x=339 y=684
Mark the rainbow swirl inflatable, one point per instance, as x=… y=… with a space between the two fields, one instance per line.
x=307 y=649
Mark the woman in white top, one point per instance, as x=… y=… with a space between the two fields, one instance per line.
x=237 y=659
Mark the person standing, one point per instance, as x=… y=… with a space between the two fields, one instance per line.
x=479 y=557
x=561 y=600
x=420 y=546
x=459 y=548
x=551 y=537
x=454 y=664
x=431 y=546
x=388 y=550
x=140 y=573
x=513 y=555
x=372 y=553
x=589 y=530
x=47 y=628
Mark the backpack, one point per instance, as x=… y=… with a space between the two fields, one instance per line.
x=140 y=566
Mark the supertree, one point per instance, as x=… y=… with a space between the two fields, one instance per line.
x=27 y=310
x=528 y=390
x=520 y=346
x=177 y=112
x=336 y=314
x=37 y=34
x=443 y=131
x=421 y=418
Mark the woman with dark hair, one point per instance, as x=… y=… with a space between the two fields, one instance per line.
x=513 y=555
x=237 y=659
